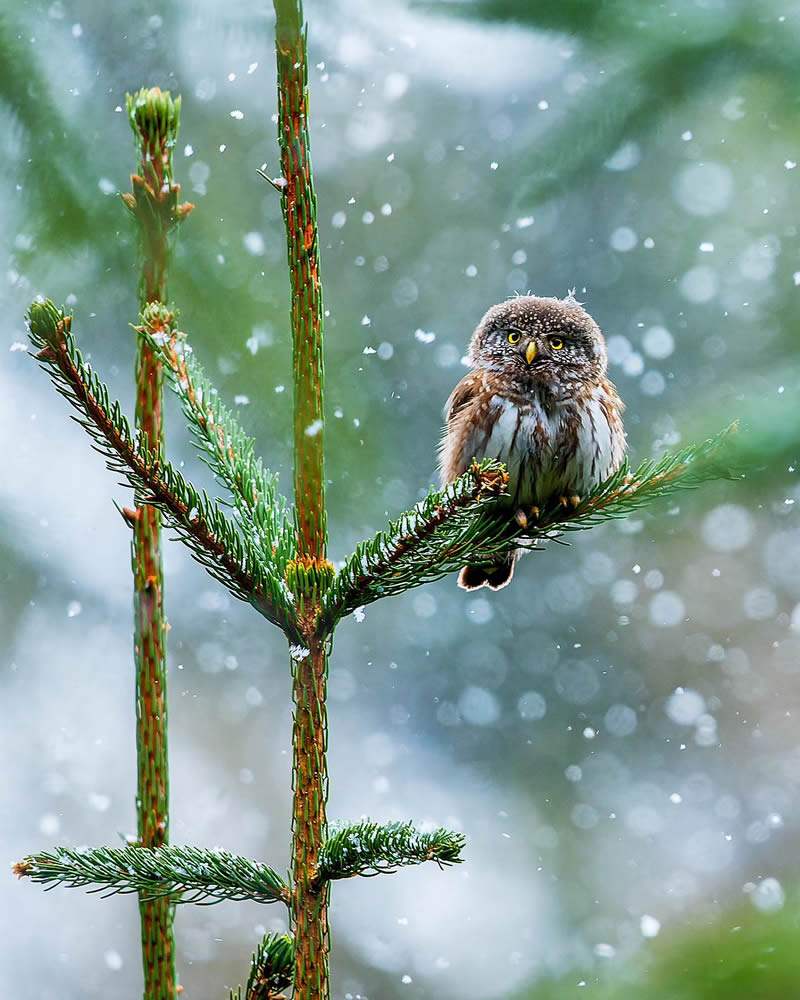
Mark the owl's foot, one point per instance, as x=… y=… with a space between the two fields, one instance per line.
x=524 y=517
x=573 y=501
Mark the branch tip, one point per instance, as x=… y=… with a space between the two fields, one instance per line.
x=23 y=868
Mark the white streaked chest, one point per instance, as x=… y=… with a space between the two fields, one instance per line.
x=564 y=449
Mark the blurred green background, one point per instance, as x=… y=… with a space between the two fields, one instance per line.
x=617 y=732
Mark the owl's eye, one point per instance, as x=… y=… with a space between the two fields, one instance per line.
x=556 y=343
x=513 y=336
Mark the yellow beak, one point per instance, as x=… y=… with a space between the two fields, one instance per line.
x=530 y=351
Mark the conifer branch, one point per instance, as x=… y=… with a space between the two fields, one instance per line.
x=185 y=874
x=468 y=523
x=271 y=970
x=436 y=538
x=228 y=556
x=227 y=450
x=626 y=492
x=368 y=849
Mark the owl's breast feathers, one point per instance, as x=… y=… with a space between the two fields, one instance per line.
x=551 y=445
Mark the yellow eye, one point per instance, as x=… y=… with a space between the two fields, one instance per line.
x=513 y=336
x=556 y=343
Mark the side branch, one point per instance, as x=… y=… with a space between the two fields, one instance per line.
x=190 y=874
x=227 y=449
x=368 y=848
x=422 y=545
x=468 y=523
x=212 y=539
x=628 y=491
x=271 y=970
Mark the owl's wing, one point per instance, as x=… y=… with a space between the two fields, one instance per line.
x=457 y=439
x=461 y=396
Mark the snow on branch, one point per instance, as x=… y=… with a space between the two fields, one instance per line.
x=226 y=448
x=368 y=848
x=214 y=541
x=437 y=537
x=185 y=874
x=469 y=523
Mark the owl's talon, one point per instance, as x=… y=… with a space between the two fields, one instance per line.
x=525 y=516
x=575 y=501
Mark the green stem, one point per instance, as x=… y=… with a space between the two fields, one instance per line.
x=310 y=783
x=158 y=951
x=300 y=217
x=154 y=119
x=311 y=573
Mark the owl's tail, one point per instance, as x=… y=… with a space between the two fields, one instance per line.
x=495 y=577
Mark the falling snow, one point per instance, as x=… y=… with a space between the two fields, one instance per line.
x=649 y=925
x=629 y=702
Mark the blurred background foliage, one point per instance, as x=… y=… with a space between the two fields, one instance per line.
x=751 y=957
x=616 y=732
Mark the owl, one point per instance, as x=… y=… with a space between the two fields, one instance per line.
x=538 y=399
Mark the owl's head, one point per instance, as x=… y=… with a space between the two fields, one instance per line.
x=552 y=342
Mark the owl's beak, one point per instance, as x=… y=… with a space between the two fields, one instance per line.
x=530 y=351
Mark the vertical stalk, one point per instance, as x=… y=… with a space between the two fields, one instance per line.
x=310 y=786
x=300 y=217
x=154 y=119
x=152 y=796
x=311 y=571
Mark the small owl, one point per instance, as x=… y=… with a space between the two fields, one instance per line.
x=537 y=399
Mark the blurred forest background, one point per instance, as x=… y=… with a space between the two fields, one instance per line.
x=618 y=731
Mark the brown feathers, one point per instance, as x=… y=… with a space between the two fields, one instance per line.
x=539 y=400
